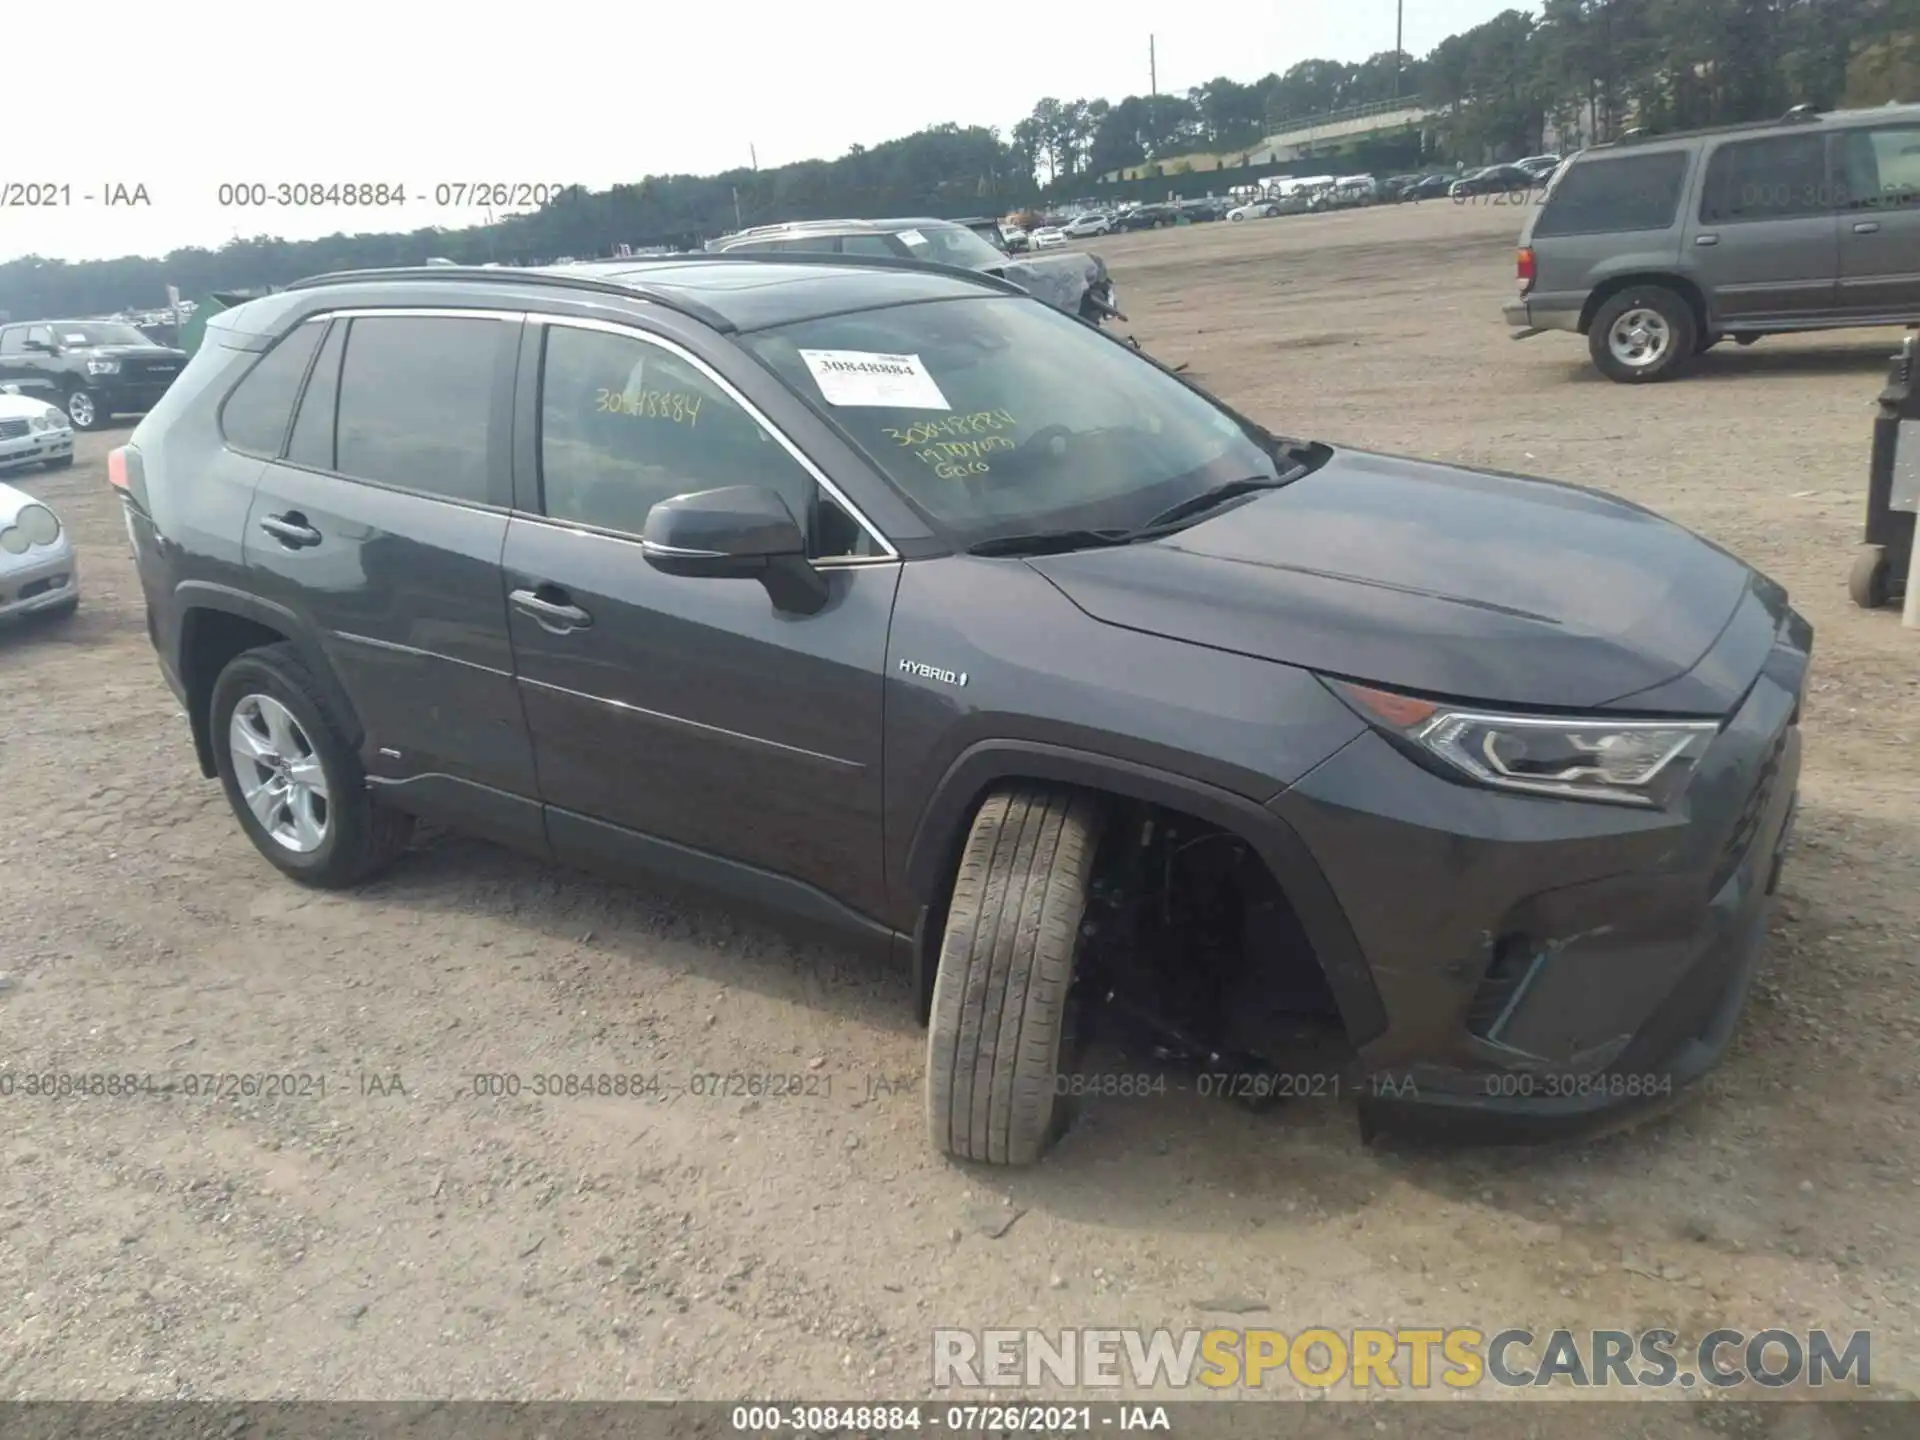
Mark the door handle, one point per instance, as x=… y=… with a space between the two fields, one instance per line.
x=552 y=615
x=291 y=530
x=1706 y=239
x=1865 y=227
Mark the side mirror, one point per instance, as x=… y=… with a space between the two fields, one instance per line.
x=738 y=532
x=12 y=387
x=43 y=346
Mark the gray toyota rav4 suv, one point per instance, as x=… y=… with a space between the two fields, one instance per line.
x=1657 y=246
x=891 y=598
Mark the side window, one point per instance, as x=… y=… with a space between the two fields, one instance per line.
x=416 y=403
x=312 y=442
x=41 y=333
x=1882 y=168
x=625 y=424
x=1779 y=178
x=12 y=341
x=1631 y=192
x=255 y=418
x=866 y=245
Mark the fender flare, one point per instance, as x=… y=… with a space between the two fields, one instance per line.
x=941 y=833
x=192 y=595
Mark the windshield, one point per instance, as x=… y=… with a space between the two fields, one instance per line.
x=1001 y=416
x=950 y=245
x=98 y=333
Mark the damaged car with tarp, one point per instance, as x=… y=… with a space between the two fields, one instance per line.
x=1070 y=280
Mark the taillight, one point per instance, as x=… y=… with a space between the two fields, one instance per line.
x=1524 y=268
x=117 y=470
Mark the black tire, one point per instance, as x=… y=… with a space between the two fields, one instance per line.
x=62 y=463
x=1868 y=582
x=362 y=837
x=1681 y=331
x=1000 y=1008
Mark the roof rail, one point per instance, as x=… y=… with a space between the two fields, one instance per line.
x=693 y=309
x=825 y=261
x=1640 y=134
x=578 y=276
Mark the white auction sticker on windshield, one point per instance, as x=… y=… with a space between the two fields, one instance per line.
x=910 y=237
x=865 y=377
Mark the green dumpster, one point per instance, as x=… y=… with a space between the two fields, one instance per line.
x=211 y=305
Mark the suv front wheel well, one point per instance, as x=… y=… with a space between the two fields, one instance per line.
x=1189 y=931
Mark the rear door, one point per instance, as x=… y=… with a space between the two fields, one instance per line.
x=667 y=708
x=1765 y=236
x=1880 y=229
x=378 y=521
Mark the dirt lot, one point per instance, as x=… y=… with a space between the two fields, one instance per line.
x=373 y=1243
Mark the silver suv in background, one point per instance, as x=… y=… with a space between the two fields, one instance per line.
x=1657 y=246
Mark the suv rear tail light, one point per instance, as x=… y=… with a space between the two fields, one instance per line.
x=128 y=475
x=1524 y=268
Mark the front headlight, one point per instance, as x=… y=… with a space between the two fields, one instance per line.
x=1620 y=762
x=102 y=367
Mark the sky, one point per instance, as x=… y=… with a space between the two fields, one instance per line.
x=420 y=95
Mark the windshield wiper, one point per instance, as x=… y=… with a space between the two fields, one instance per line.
x=1052 y=542
x=1207 y=500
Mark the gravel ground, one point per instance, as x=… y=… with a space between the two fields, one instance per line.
x=397 y=1237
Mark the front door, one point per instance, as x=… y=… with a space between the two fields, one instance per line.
x=690 y=711
x=1765 y=239
x=381 y=529
x=1880 y=231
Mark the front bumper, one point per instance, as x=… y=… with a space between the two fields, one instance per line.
x=1547 y=967
x=115 y=396
x=43 y=579
x=35 y=448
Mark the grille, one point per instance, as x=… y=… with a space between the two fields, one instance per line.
x=12 y=429
x=1740 y=839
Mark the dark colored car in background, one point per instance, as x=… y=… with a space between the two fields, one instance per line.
x=1495 y=180
x=1070 y=280
x=1428 y=187
x=92 y=369
x=1148 y=217
x=889 y=598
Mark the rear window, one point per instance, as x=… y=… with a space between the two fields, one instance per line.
x=1617 y=193
x=257 y=413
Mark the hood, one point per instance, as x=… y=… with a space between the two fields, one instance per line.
x=25 y=407
x=1059 y=277
x=12 y=502
x=1463 y=584
x=126 y=352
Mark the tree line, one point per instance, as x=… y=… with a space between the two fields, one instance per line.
x=1581 y=70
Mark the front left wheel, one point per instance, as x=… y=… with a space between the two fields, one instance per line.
x=1001 y=1014
x=85 y=411
x=292 y=780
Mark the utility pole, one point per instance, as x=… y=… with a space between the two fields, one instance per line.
x=1399 y=55
x=736 y=209
x=1153 y=71
x=753 y=157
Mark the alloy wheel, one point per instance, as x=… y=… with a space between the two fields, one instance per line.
x=280 y=776
x=1640 y=338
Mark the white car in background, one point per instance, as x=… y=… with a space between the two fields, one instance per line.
x=37 y=570
x=1255 y=210
x=1048 y=237
x=1082 y=227
x=32 y=432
